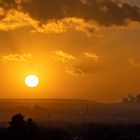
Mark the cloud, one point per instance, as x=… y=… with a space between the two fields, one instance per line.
x=1 y=12
x=133 y=24
x=84 y=1
x=104 y=12
x=85 y=68
x=88 y=63
x=132 y=2
x=16 y=57
x=73 y=71
x=62 y=56
x=92 y=55
x=90 y=29
x=134 y=63
x=14 y=19
x=54 y=16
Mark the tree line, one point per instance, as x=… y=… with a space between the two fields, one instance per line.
x=131 y=99
x=26 y=129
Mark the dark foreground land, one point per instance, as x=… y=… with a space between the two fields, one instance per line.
x=21 y=129
x=69 y=120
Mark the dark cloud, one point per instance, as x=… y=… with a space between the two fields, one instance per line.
x=54 y=9
x=8 y=4
x=104 y=12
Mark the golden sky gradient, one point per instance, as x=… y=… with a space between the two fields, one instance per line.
x=87 y=49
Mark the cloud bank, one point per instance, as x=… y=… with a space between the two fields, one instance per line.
x=104 y=12
x=56 y=16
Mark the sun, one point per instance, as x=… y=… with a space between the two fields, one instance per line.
x=32 y=80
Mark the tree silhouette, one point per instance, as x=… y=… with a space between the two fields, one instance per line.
x=31 y=124
x=31 y=128
x=17 y=127
x=132 y=99
x=138 y=98
x=125 y=100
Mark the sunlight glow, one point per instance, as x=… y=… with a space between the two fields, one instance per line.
x=31 y=81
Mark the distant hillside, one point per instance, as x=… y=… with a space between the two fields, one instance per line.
x=70 y=110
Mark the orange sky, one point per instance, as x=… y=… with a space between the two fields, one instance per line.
x=84 y=49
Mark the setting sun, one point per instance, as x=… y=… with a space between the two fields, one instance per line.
x=31 y=81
